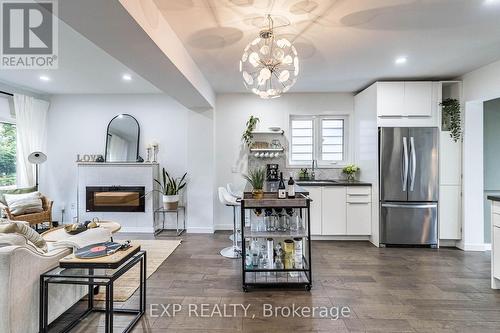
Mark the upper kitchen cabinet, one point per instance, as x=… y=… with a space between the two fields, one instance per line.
x=407 y=104
x=390 y=99
x=404 y=99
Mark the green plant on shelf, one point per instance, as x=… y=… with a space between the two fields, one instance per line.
x=247 y=135
x=451 y=118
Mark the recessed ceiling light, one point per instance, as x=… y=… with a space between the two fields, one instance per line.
x=401 y=60
x=44 y=78
x=127 y=77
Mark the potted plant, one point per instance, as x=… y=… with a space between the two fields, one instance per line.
x=247 y=135
x=170 y=190
x=256 y=178
x=350 y=171
x=451 y=120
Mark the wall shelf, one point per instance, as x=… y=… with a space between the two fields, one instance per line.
x=255 y=150
x=280 y=132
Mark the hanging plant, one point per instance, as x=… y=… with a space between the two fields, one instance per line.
x=247 y=135
x=452 y=118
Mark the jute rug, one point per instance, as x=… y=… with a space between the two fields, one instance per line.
x=157 y=251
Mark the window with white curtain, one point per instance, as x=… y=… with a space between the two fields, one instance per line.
x=321 y=138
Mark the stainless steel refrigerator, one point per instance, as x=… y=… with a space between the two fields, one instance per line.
x=409 y=185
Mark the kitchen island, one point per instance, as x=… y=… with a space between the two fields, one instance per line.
x=495 y=241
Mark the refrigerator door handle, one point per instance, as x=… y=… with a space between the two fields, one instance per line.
x=405 y=163
x=420 y=206
x=413 y=163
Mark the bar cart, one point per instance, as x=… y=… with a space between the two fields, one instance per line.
x=276 y=241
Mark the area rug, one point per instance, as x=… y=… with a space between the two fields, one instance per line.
x=157 y=251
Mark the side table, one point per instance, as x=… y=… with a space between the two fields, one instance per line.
x=82 y=272
x=164 y=212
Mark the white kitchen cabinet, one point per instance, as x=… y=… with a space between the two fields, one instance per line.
x=405 y=99
x=418 y=99
x=496 y=256
x=315 y=209
x=450 y=212
x=359 y=211
x=390 y=99
x=334 y=210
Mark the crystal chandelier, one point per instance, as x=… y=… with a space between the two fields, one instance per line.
x=269 y=64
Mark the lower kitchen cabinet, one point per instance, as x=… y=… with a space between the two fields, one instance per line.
x=333 y=212
x=340 y=210
x=359 y=218
x=496 y=256
x=315 y=209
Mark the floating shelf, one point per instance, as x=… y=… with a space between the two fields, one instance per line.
x=281 y=132
x=255 y=150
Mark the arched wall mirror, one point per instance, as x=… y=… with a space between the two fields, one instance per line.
x=122 y=139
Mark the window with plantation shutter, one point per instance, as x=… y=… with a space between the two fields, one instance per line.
x=320 y=138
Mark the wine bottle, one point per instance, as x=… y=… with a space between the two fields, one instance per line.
x=281 y=188
x=291 y=187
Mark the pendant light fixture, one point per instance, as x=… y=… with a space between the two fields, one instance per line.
x=269 y=64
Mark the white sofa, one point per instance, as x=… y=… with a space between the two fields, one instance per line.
x=20 y=269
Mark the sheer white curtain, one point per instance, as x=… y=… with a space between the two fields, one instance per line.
x=31 y=123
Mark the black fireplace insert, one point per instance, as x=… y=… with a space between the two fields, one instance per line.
x=115 y=199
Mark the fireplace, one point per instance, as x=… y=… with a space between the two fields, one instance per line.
x=115 y=199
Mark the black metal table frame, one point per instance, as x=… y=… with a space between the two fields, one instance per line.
x=307 y=270
x=47 y=278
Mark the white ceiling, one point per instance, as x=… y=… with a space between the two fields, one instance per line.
x=344 y=45
x=84 y=68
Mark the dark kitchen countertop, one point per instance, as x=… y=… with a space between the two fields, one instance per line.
x=331 y=182
x=272 y=187
x=493 y=197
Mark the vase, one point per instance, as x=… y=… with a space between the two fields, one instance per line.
x=171 y=202
x=257 y=194
x=351 y=177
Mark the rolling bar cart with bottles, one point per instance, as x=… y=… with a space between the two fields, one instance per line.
x=276 y=241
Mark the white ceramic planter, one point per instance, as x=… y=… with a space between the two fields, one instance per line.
x=170 y=202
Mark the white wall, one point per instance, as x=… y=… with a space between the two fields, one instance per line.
x=478 y=86
x=232 y=112
x=77 y=125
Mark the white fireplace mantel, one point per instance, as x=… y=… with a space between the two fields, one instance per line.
x=120 y=174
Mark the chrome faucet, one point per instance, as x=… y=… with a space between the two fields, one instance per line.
x=313 y=174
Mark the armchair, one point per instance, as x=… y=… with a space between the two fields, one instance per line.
x=33 y=218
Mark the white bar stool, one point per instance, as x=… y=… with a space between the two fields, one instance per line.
x=237 y=195
x=225 y=198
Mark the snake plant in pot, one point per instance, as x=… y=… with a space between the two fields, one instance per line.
x=170 y=189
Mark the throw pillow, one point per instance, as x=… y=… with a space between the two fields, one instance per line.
x=24 y=203
x=23 y=229
x=15 y=191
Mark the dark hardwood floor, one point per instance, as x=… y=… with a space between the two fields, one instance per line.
x=386 y=290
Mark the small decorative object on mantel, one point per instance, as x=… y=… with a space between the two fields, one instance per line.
x=89 y=158
x=451 y=118
x=148 y=154
x=247 y=135
x=170 y=189
x=140 y=159
x=256 y=178
x=350 y=171
x=154 y=145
